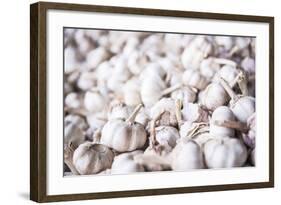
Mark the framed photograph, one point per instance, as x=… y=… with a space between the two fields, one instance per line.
x=134 y=102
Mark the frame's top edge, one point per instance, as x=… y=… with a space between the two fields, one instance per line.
x=153 y=12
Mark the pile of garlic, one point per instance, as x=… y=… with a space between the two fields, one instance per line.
x=137 y=102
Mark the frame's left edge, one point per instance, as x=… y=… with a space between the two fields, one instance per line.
x=37 y=103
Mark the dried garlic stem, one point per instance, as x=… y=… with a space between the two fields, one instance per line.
x=228 y=89
x=178 y=111
x=232 y=124
x=225 y=61
x=153 y=140
x=233 y=50
x=131 y=118
x=171 y=89
x=243 y=83
x=97 y=136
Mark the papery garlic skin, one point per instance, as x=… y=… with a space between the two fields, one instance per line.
x=227 y=72
x=120 y=111
x=187 y=155
x=125 y=163
x=91 y=158
x=222 y=113
x=226 y=152
x=167 y=137
x=193 y=112
x=123 y=136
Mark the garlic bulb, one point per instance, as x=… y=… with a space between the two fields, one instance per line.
x=195 y=52
x=225 y=153
x=228 y=73
x=73 y=134
x=125 y=163
x=253 y=157
x=151 y=89
x=73 y=100
x=86 y=80
x=187 y=155
x=185 y=94
x=70 y=60
x=79 y=121
x=94 y=101
x=95 y=122
x=224 y=41
x=131 y=92
x=214 y=96
x=95 y=57
x=166 y=137
x=248 y=65
x=137 y=61
x=194 y=79
x=222 y=113
x=91 y=158
x=249 y=138
x=124 y=135
x=166 y=110
x=193 y=112
x=242 y=107
x=120 y=111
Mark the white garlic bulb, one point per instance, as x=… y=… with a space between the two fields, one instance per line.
x=214 y=96
x=70 y=60
x=75 y=119
x=124 y=135
x=137 y=61
x=195 y=52
x=225 y=41
x=225 y=153
x=121 y=111
x=253 y=157
x=73 y=134
x=185 y=94
x=187 y=155
x=91 y=158
x=125 y=163
x=194 y=79
x=248 y=65
x=131 y=92
x=73 y=100
x=151 y=89
x=193 y=112
x=94 y=101
x=242 y=107
x=86 y=80
x=166 y=137
x=95 y=57
x=228 y=73
x=222 y=113
x=95 y=122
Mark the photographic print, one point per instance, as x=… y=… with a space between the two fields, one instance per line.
x=146 y=101
x=129 y=102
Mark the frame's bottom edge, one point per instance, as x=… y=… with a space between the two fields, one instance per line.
x=151 y=192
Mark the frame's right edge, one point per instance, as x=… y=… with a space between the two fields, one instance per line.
x=271 y=101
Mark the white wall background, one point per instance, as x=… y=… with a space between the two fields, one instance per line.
x=14 y=101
